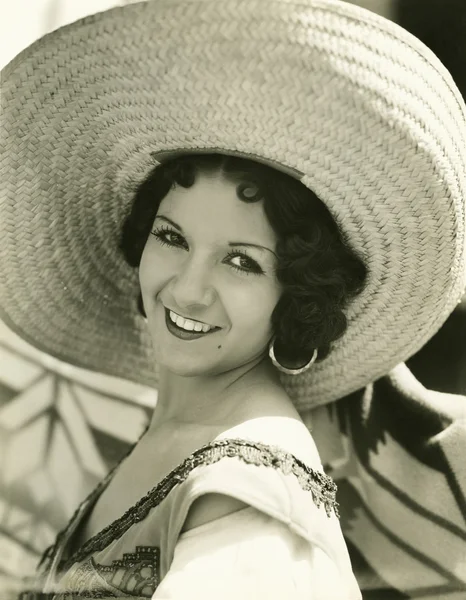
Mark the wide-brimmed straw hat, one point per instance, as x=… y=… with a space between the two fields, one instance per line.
x=346 y=101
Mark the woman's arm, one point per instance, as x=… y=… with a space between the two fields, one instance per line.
x=210 y=507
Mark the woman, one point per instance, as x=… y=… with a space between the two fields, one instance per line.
x=219 y=383
x=315 y=263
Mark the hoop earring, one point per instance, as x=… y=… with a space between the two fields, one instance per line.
x=284 y=369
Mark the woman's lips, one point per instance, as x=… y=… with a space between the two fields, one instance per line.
x=183 y=334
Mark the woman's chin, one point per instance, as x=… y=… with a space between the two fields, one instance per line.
x=181 y=366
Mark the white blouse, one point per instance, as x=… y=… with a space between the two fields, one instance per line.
x=249 y=555
x=286 y=545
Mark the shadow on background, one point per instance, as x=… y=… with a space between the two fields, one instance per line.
x=441 y=25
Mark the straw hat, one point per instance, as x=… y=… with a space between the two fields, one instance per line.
x=348 y=102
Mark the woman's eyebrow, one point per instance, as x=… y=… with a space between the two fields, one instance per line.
x=176 y=226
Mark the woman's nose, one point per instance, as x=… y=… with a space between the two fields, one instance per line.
x=193 y=284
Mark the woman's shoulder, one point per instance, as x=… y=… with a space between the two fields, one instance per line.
x=271 y=419
x=266 y=432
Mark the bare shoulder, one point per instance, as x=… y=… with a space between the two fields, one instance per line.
x=267 y=400
x=270 y=417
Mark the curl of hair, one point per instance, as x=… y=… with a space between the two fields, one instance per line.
x=318 y=271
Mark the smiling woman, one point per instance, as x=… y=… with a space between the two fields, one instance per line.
x=309 y=269
x=265 y=268
x=251 y=255
x=242 y=165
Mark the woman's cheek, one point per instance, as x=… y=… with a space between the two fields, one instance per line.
x=154 y=266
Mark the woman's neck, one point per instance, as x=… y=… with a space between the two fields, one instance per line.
x=209 y=400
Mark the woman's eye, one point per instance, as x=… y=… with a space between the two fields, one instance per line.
x=168 y=237
x=245 y=263
x=248 y=265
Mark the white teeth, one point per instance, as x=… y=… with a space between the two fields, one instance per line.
x=185 y=324
x=188 y=324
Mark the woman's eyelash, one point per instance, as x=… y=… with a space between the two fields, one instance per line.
x=161 y=235
x=254 y=268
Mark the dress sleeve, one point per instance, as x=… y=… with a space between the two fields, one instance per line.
x=250 y=555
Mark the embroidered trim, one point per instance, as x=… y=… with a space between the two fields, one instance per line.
x=50 y=552
x=322 y=487
x=136 y=574
x=89 y=595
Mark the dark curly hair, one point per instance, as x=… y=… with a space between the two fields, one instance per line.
x=318 y=271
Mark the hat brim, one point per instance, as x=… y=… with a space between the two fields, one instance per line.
x=359 y=107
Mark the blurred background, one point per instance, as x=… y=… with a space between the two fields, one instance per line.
x=62 y=428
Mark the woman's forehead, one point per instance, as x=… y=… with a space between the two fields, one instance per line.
x=212 y=201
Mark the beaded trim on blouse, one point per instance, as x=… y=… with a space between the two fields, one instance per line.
x=321 y=486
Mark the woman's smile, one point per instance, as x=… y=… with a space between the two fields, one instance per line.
x=188 y=323
x=185 y=334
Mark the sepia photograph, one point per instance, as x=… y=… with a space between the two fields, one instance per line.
x=233 y=300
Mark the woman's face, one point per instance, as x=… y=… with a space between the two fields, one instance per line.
x=197 y=264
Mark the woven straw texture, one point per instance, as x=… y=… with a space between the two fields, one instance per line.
x=359 y=106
